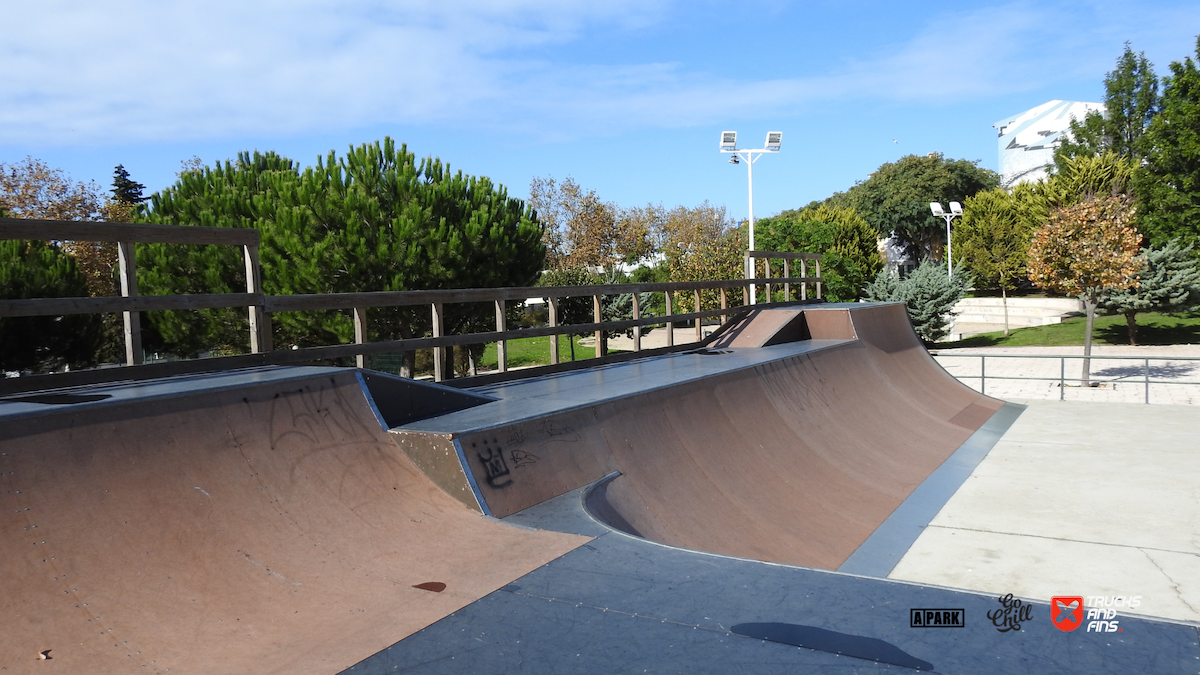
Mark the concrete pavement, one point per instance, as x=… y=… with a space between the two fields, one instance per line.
x=1077 y=499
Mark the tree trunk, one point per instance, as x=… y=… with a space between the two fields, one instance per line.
x=1004 y=300
x=570 y=341
x=1090 y=300
x=1131 y=324
x=472 y=366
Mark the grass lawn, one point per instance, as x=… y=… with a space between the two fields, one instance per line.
x=1153 y=329
x=535 y=351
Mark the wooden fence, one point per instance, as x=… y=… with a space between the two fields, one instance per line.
x=260 y=306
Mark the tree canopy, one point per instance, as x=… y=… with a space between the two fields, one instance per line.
x=1168 y=281
x=373 y=219
x=1085 y=249
x=1131 y=102
x=895 y=199
x=992 y=242
x=1168 y=183
x=850 y=255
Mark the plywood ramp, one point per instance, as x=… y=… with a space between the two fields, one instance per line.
x=794 y=459
x=272 y=529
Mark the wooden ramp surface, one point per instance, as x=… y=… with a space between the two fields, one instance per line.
x=268 y=529
x=794 y=459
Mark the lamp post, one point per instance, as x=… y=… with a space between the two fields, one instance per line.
x=729 y=145
x=955 y=211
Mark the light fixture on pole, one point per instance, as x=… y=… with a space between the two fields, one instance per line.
x=955 y=211
x=729 y=145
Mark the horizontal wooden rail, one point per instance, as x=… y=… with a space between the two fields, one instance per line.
x=136 y=303
x=784 y=255
x=63 y=230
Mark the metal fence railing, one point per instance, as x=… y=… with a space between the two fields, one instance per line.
x=1139 y=373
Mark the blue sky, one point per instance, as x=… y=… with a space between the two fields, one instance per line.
x=626 y=96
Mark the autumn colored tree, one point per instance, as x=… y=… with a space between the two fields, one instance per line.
x=581 y=230
x=1085 y=249
x=992 y=242
x=701 y=243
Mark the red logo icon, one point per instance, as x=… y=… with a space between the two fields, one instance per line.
x=1066 y=612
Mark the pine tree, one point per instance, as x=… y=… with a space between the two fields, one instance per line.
x=374 y=219
x=126 y=190
x=1169 y=281
x=928 y=293
x=37 y=269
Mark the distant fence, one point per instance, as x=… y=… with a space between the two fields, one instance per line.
x=1135 y=374
x=260 y=306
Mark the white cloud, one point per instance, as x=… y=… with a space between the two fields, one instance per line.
x=125 y=70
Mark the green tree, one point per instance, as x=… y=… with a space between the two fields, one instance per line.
x=374 y=219
x=1131 y=100
x=1083 y=250
x=126 y=190
x=1168 y=182
x=848 y=246
x=992 y=242
x=928 y=293
x=895 y=199
x=37 y=269
x=1169 y=281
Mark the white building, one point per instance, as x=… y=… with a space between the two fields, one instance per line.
x=1027 y=140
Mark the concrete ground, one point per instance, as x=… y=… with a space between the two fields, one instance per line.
x=1174 y=379
x=1077 y=499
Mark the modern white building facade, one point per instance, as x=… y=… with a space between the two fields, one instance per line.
x=1027 y=140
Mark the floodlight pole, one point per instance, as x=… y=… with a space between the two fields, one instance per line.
x=750 y=157
x=955 y=211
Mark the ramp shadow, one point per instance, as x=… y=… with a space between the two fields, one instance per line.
x=820 y=639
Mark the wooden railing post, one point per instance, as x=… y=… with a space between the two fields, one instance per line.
x=597 y=317
x=724 y=304
x=767 y=264
x=439 y=353
x=127 y=261
x=502 y=345
x=803 y=284
x=818 y=263
x=699 y=321
x=360 y=334
x=637 y=330
x=787 y=285
x=552 y=303
x=260 y=336
x=670 y=324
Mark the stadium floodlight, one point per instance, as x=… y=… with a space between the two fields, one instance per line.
x=956 y=210
x=729 y=145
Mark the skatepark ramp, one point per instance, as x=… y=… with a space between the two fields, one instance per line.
x=248 y=522
x=790 y=438
x=301 y=519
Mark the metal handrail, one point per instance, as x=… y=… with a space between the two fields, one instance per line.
x=1062 y=377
